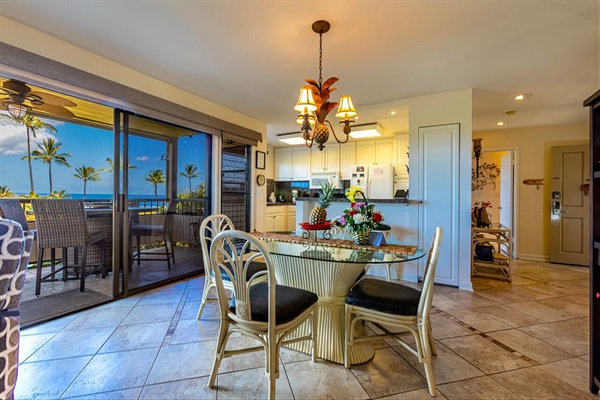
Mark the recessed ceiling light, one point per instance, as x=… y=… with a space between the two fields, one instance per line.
x=393 y=113
x=364 y=131
x=523 y=96
x=500 y=123
x=293 y=141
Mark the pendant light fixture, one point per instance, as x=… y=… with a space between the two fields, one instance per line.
x=314 y=105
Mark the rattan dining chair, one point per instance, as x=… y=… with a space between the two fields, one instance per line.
x=138 y=230
x=211 y=226
x=62 y=224
x=265 y=311
x=398 y=306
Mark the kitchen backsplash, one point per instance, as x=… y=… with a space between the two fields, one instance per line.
x=285 y=189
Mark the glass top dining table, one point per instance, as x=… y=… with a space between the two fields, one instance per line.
x=330 y=268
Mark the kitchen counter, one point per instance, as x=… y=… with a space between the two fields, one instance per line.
x=281 y=203
x=345 y=200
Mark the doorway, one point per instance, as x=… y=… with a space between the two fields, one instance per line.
x=496 y=183
x=159 y=200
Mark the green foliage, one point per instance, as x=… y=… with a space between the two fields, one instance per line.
x=6 y=192
x=325 y=195
x=48 y=153
x=87 y=174
x=156 y=177
x=63 y=194
x=190 y=171
x=111 y=165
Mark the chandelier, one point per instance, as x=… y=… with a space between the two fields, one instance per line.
x=314 y=105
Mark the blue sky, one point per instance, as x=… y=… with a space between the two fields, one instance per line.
x=89 y=146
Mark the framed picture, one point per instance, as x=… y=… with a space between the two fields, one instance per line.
x=260 y=159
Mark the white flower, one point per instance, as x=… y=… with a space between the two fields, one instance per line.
x=359 y=218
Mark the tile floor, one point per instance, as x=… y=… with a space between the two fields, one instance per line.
x=525 y=340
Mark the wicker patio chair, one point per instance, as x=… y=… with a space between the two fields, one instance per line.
x=265 y=311
x=63 y=224
x=398 y=306
x=138 y=230
x=11 y=209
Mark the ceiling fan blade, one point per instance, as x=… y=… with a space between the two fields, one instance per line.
x=54 y=100
x=12 y=86
x=54 y=110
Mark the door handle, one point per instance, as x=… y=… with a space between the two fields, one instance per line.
x=564 y=212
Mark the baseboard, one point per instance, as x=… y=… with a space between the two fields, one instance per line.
x=533 y=257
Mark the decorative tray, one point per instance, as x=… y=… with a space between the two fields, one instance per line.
x=315 y=227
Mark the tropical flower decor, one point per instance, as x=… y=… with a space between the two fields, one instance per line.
x=361 y=217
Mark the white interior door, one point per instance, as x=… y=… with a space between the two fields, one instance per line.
x=439 y=174
x=569 y=212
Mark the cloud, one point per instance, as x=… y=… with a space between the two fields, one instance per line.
x=13 y=138
x=142 y=158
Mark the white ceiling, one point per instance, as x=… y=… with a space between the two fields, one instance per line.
x=253 y=56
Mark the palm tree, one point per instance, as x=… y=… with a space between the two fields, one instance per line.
x=48 y=154
x=190 y=171
x=87 y=174
x=155 y=177
x=111 y=165
x=32 y=124
x=6 y=192
x=63 y=194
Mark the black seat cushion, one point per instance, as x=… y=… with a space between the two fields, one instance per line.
x=253 y=268
x=387 y=297
x=289 y=302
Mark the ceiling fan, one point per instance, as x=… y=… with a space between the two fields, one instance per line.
x=18 y=99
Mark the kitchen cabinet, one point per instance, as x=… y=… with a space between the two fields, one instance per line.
x=326 y=160
x=384 y=152
x=292 y=164
x=365 y=152
x=276 y=218
x=291 y=219
x=347 y=158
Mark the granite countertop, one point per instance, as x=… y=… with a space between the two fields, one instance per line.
x=344 y=200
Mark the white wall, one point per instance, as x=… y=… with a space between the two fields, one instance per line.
x=442 y=109
x=533 y=151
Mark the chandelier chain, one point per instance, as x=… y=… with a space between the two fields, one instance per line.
x=320 y=59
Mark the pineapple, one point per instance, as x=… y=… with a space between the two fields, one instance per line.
x=318 y=214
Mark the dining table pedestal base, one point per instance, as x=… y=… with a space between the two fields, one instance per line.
x=331 y=281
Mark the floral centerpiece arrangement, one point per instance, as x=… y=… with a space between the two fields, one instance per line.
x=361 y=218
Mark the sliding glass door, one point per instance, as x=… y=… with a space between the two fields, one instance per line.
x=161 y=197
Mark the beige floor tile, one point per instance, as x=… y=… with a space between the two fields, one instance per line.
x=388 y=373
x=184 y=361
x=529 y=346
x=125 y=394
x=444 y=327
x=535 y=383
x=323 y=380
x=470 y=299
x=475 y=389
x=420 y=394
x=250 y=384
x=478 y=320
x=556 y=334
x=573 y=371
x=509 y=316
x=447 y=366
x=190 y=330
x=576 y=310
x=541 y=311
x=485 y=355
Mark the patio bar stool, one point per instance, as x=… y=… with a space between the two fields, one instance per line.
x=63 y=224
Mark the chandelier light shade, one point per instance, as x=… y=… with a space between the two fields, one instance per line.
x=314 y=105
x=16 y=110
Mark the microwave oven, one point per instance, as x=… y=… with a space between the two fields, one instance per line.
x=321 y=177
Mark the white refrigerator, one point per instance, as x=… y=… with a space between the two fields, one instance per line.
x=376 y=180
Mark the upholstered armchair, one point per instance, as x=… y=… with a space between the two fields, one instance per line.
x=15 y=248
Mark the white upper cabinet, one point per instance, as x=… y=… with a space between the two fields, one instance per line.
x=401 y=164
x=326 y=160
x=384 y=152
x=365 y=152
x=347 y=158
x=292 y=164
